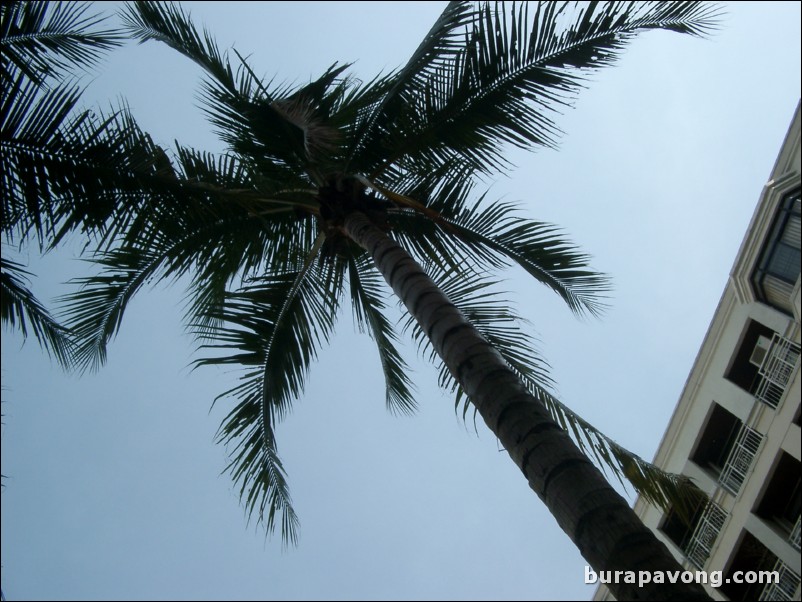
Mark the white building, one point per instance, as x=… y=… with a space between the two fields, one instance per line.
x=736 y=428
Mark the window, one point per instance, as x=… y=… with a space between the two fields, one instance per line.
x=679 y=527
x=717 y=440
x=752 y=555
x=780 y=503
x=779 y=264
x=727 y=448
x=696 y=532
x=763 y=364
x=744 y=367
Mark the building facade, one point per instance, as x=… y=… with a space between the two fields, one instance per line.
x=736 y=428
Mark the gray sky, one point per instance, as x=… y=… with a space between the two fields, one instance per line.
x=113 y=488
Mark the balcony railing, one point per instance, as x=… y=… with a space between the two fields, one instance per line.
x=776 y=370
x=705 y=534
x=740 y=459
x=793 y=539
x=785 y=588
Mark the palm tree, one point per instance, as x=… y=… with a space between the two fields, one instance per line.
x=328 y=186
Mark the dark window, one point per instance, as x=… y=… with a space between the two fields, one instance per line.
x=750 y=555
x=694 y=527
x=679 y=526
x=784 y=263
x=779 y=265
x=780 y=503
x=743 y=370
x=717 y=439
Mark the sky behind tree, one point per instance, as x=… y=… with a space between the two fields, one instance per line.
x=114 y=488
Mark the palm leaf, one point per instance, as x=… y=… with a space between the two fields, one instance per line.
x=94 y=312
x=66 y=171
x=538 y=248
x=282 y=130
x=30 y=126
x=273 y=327
x=256 y=466
x=369 y=309
x=515 y=69
x=21 y=309
x=209 y=222
x=165 y=22
x=48 y=39
x=440 y=43
x=493 y=235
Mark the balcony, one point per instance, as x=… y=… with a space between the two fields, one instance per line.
x=727 y=448
x=771 y=578
x=704 y=535
x=793 y=539
x=776 y=370
x=736 y=467
x=785 y=588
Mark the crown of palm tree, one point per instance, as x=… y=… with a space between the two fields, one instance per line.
x=261 y=232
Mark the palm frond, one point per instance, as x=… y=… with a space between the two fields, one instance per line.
x=209 y=222
x=92 y=176
x=182 y=240
x=227 y=182
x=213 y=252
x=276 y=322
x=273 y=327
x=538 y=248
x=65 y=170
x=288 y=132
x=19 y=308
x=352 y=103
x=369 y=313
x=516 y=68
x=443 y=228
x=231 y=229
x=496 y=234
x=30 y=125
x=440 y=43
x=48 y=39
x=256 y=466
x=95 y=311
x=165 y=22
x=282 y=130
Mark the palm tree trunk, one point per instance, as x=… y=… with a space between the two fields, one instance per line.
x=597 y=519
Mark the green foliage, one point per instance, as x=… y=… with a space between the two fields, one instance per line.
x=45 y=40
x=274 y=327
x=53 y=159
x=19 y=308
x=258 y=232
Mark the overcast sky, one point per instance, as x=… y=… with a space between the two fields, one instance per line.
x=114 y=488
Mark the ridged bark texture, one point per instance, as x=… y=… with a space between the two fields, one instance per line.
x=597 y=519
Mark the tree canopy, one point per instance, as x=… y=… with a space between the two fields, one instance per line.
x=267 y=215
x=415 y=139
